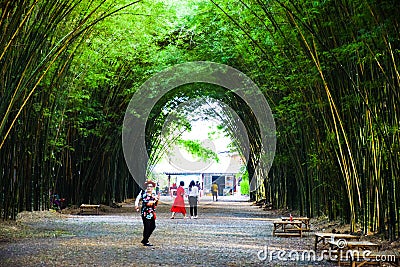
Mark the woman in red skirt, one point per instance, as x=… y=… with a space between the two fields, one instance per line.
x=179 y=202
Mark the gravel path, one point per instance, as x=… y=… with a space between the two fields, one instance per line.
x=227 y=233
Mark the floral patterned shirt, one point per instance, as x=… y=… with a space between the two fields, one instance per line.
x=148 y=212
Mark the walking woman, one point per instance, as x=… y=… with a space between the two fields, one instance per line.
x=149 y=203
x=193 y=199
x=179 y=202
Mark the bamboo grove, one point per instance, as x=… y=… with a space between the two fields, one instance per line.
x=328 y=68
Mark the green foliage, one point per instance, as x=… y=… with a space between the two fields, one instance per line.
x=244 y=184
x=195 y=148
x=244 y=187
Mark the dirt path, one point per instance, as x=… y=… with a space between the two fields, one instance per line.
x=227 y=233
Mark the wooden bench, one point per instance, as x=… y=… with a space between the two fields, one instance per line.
x=305 y=220
x=288 y=228
x=287 y=234
x=324 y=237
x=90 y=207
x=353 y=251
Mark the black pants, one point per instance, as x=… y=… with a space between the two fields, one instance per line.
x=193 y=206
x=215 y=194
x=148 y=227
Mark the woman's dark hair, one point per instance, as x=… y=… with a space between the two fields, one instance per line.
x=192 y=184
x=181 y=183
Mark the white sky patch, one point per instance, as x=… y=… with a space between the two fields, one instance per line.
x=200 y=131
